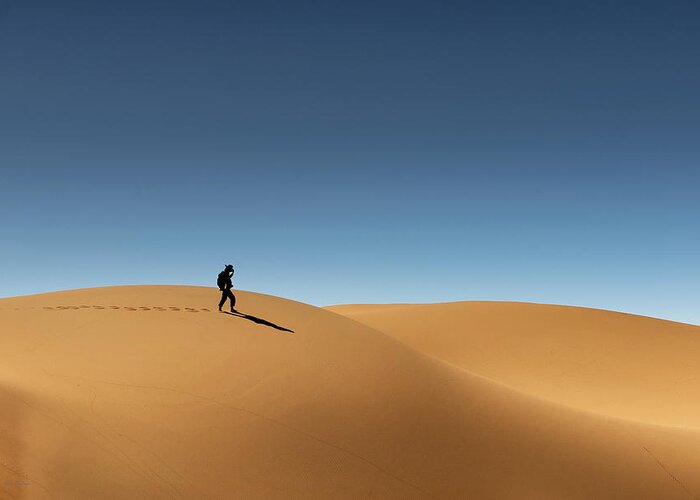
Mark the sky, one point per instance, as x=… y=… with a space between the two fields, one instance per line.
x=355 y=152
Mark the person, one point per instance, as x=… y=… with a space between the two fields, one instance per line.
x=225 y=285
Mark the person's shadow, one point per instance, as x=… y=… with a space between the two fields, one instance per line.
x=259 y=321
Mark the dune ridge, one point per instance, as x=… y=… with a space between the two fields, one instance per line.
x=147 y=392
x=616 y=364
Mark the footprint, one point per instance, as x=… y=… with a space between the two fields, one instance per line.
x=98 y=307
x=84 y=307
x=47 y=307
x=158 y=308
x=174 y=308
x=114 y=307
x=205 y=309
x=128 y=308
x=73 y=307
x=61 y=307
x=191 y=310
x=143 y=308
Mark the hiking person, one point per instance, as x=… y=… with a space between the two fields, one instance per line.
x=225 y=285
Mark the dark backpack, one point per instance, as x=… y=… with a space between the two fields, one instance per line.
x=221 y=280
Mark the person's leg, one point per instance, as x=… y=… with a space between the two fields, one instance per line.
x=224 y=296
x=232 y=298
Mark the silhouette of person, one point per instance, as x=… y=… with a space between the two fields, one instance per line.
x=225 y=285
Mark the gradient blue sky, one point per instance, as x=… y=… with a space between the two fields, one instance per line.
x=365 y=151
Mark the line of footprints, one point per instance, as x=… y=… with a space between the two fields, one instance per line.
x=129 y=308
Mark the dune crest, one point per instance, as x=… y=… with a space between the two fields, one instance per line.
x=616 y=364
x=147 y=392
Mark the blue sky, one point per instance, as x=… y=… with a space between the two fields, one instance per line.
x=355 y=151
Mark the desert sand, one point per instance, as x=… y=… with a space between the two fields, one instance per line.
x=147 y=392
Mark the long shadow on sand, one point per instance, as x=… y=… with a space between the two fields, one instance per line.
x=259 y=321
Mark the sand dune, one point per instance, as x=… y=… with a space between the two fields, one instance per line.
x=616 y=364
x=146 y=392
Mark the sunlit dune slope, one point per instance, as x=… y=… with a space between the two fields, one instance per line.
x=617 y=364
x=147 y=393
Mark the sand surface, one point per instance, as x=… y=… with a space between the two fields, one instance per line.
x=148 y=392
x=615 y=364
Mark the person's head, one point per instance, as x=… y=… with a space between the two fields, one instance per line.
x=229 y=269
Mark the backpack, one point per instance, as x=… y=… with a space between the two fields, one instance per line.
x=221 y=280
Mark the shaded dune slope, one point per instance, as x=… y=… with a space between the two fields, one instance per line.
x=616 y=364
x=145 y=392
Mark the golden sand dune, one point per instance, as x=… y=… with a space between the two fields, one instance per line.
x=146 y=392
x=616 y=364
